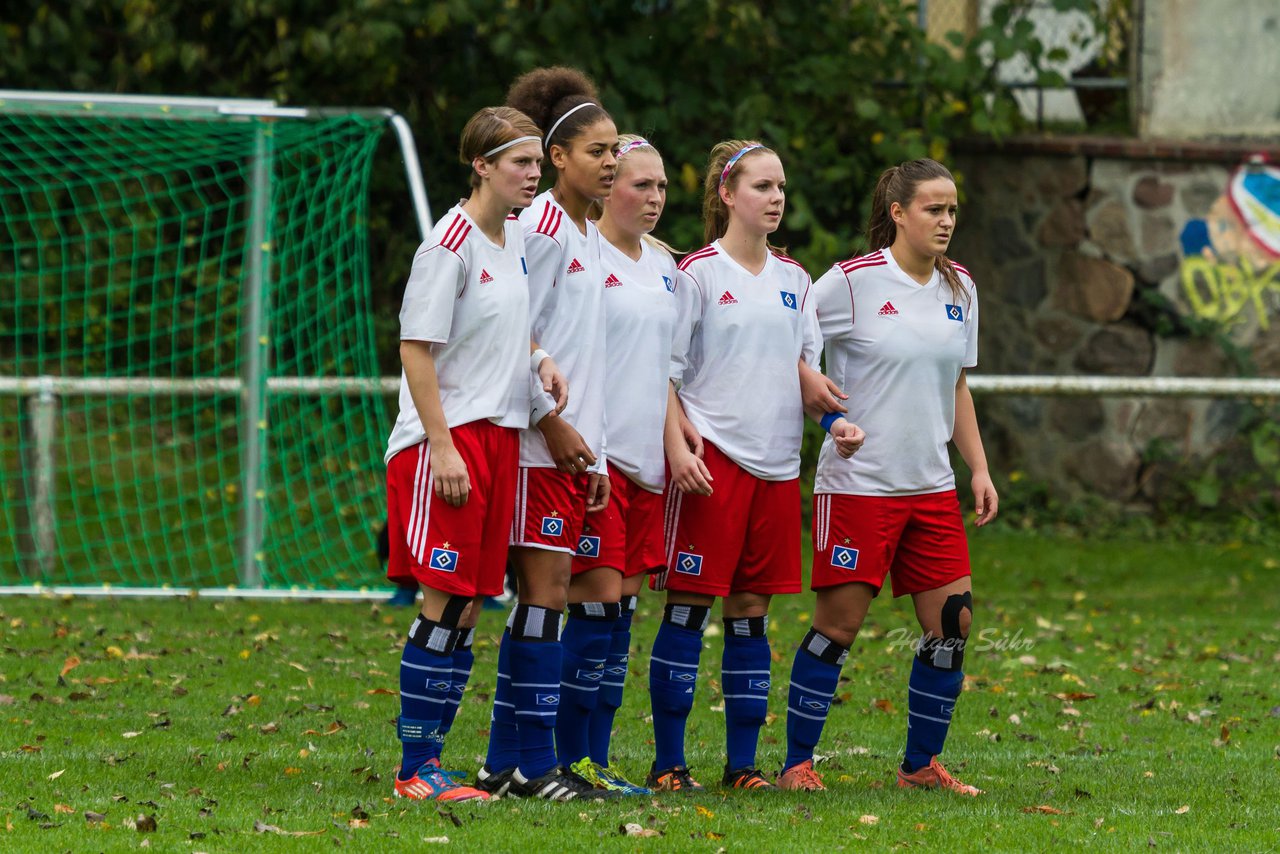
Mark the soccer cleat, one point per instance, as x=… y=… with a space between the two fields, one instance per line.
x=801 y=778
x=558 y=784
x=432 y=784
x=934 y=776
x=676 y=779
x=606 y=778
x=745 y=778
x=496 y=783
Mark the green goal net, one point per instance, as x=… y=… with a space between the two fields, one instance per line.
x=186 y=349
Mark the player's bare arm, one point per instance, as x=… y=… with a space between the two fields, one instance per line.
x=688 y=472
x=448 y=471
x=968 y=442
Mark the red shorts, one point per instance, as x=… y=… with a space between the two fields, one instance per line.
x=459 y=550
x=743 y=538
x=917 y=540
x=549 y=506
x=627 y=534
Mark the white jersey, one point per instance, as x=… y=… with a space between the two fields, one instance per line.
x=566 y=310
x=469 y=298
x=897 y=348
x=640 y=320
x=737 y=353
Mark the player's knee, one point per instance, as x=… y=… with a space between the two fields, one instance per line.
x=947 y=652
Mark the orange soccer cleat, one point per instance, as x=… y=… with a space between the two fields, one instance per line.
x=934 y=776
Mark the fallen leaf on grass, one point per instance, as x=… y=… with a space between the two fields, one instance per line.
x=884 y=706
x=63 y=808
x=94 y=817
x=1045 y=809
x=633 y=829
x=869 y=819
x=436 y=840
x=1182 y=810
x=358 y=822
x=704 y=812
x=32 y=748
x=145 y=823
x=70 y=664
x=457 y=822
x=298 y=666
x=130 y=734
x=383 y=691
x=56 y=774
x=359 y=812
x=1072 y=696
x=263 y=827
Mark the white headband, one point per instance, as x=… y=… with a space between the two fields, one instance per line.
x=568 y=113
x=507 y=145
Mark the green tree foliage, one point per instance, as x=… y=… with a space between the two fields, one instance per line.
x=840 y=88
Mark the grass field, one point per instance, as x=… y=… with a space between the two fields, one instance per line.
x=1120 y=694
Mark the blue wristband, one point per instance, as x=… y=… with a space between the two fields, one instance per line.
x=829 y=419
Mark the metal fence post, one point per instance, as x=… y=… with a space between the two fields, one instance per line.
x=42 y=412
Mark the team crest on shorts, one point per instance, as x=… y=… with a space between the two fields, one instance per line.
x=445 y=560
x=844 y=557
x=955 y=312
x=688 y=563
x=552 y=526
x=788 y=299
x=588 y=546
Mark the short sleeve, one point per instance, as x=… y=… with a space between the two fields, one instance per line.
x=971 y=329
x=436 y=281
x=811 y=343
x=544 y=255
x=832 y=296
x=689 y=307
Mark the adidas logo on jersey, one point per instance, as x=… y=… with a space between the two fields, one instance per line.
x=613 y=281
x=576 y=267
x=726 y=298
x=485 y=278
x=887 y=309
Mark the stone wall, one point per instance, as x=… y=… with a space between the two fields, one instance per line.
x=1117 y=258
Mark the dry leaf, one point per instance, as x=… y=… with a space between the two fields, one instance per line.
x=56 y=774
x=70 y=664
x=145 y=823
x=884 y=706
x=130 y=734
x=1045 y=809
x=868 y=819
x=633 y=829
x=298 y=666
x=1072 y=696
x=436 y=840
x=704 y=812
x=358 y=822
x=63 y=808
x=93 y=817
x=383 y=691
x=1182 y=810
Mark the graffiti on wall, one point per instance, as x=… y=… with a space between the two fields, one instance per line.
x=1231 y=258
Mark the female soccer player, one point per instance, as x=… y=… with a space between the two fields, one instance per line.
x=623 y=542
x=745 y=324
x=453 y=453
x=900 y=327
x=562 y=463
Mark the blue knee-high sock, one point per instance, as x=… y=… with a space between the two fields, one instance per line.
x=425 y=677
x=931 y=698
x=463 y=660
x=535 y=686
x=744 y=672
x=585 y=643
x=608 y=702
x=673 y=675
x=504 y=737
x=815 y=674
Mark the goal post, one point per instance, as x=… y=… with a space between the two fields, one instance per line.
x=189 y=392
